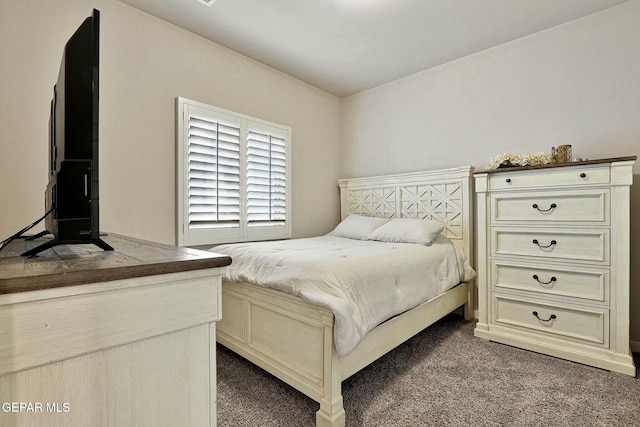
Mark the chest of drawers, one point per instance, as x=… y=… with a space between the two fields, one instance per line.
x=553 y=260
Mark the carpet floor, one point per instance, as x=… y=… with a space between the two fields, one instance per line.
x=443 y=376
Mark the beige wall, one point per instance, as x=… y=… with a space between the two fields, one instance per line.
x=577 y=84
x=145 y=64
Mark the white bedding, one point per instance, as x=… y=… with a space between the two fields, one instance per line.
x=363 y=283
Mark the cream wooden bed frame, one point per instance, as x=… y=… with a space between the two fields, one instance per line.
x=293 y=339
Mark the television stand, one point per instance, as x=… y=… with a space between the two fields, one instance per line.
x=119 y=338
x=32 y=253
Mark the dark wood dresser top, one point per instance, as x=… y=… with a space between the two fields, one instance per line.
x=557 y=165
x=70 y=265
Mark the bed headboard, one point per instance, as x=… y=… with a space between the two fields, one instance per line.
x=443 y=195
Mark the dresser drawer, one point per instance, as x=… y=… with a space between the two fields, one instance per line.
x=564 y=244
x=57 y=328
x=560 y=177
x=589 y=325
x=551 y=207
x=574 y=282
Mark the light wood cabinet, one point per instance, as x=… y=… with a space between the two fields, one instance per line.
x=553 y=260
x=122 y=338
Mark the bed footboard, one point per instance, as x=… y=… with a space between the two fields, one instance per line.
x=293 y=339
x=287 y=337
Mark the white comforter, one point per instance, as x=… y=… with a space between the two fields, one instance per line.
x=363 y=283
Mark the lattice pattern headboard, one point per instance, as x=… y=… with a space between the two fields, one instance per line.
x=442 y=195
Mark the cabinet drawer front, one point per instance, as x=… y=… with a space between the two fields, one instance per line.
x=44 y=331
x=552 y=207
x=560 y=177
x=583 y=283
x=570 y=244
x=588 y=325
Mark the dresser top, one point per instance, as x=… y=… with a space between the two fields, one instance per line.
x=69 y=265
x=558 y=165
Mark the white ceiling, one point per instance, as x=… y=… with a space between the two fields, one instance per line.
x=346 y=46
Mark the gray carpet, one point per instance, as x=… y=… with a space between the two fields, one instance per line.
x=444 y=376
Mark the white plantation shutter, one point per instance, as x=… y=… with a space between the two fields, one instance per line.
x=214 y=174
x=233 y=176
x=266 y=179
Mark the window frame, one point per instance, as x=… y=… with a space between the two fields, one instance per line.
x=190 y=236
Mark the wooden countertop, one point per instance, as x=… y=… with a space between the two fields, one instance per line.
x=69 y=265
x=558 y=165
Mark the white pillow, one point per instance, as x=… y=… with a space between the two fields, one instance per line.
x=408 y=230
x=358 y=227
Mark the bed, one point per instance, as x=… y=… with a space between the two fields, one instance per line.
x=295 y=339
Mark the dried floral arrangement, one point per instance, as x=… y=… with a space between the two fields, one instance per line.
x=508 y=159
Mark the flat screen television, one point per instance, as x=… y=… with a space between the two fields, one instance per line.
x=71 y=196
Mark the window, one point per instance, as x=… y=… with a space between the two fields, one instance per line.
x=232 y=176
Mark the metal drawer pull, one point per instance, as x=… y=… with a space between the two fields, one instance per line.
x=553 y=316
x=508 y=180
x=583 y=175
x=553 y=279
x=553 y=206
x=553 y=242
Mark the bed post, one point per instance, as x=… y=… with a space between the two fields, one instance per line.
x=467 y=183
x=331 y=413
